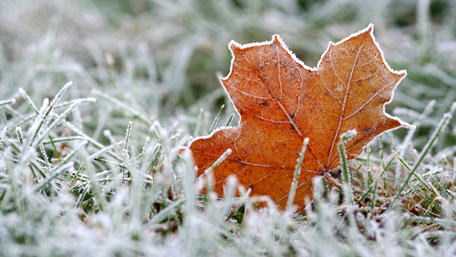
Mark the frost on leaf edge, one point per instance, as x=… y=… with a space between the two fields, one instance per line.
x=370 y=29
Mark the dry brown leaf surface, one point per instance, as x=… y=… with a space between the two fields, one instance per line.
x=281 y=101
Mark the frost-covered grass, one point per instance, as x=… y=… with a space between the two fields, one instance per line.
x=91 y=168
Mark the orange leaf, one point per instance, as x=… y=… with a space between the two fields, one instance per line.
x=281 y=101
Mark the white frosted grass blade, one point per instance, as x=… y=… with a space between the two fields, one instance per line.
x=28 y=100
x=64 y=139
x=51 y=107
x=33 y=130
x=104 y=150
x=54 y=124
x=82 y=100
x=5 y=102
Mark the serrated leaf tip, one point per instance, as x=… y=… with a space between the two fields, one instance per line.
x=234 y=46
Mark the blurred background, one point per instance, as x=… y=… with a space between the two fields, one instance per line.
x=163 y=58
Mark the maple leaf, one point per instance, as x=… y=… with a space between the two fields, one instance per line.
x=281 y=101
